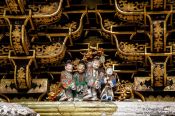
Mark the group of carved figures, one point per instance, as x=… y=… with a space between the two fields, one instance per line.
x=89 y=82
x=91 y=78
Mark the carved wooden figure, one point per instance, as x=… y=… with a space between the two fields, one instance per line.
x=80 y=81
x=110 y=82
x=94 y=74
x=67 y=82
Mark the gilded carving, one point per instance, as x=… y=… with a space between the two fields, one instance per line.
x=16 y=39
x=47 y=9
x=12 y=5
x=132 y=18
x=158 y=36
x=4 y=49
x=32 y=21
x=131 y=48
x=55 y=92
x=131 y=6
x=48 y=20
x=21 y=78
x=158 y=3
x=50 y=53
x=158 y=75
x=124 y=90
x=108 y=24
x=170 y=86
x=142 y=84
x=72 y=26
x=7 y=86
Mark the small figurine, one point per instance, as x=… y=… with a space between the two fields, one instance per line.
x=80 y=81
x=67 y=82
x=107 y=93
x=94 y=74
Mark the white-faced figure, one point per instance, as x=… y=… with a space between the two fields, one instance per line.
x=110 y=82
x=69 y=67
x=93 y=75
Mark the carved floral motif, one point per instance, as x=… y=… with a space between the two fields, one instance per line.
x=47 y=50
x=16 y=39
x=158 y=75
x=131 y=6
x=108 y=24
x=48 y=9
x=158 y=3
x=131 y=48
x=12 y=5
x=21 y=78
x=48 y=20
x=158 y=36
x=132 y=18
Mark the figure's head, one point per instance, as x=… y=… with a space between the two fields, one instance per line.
x=96 y=63
x=109 y=71
x=69 y=66
x=89 y=65
x=81 y=67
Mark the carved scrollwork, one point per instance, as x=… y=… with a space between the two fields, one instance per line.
x=47 y=9
x=4 y=49
x=131 y=48
x=108 y=24
x=48 y=20
x=48 y=14
x=131 y=18
x=131 y=6
x=125 y=6
x=75 y=34
x=73 y=25
x=50 y=53
x=124 y=91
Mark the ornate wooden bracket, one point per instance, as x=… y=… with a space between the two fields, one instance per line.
x=158 y=71
x=22 y=76
x=19 y=40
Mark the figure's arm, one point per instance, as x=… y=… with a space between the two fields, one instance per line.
x=63 y=80
x=66 y=83
x=112 y=82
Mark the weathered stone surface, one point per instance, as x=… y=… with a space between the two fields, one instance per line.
x=13 y=109
x=145 y=109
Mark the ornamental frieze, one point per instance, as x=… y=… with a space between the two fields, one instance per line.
x=120 y=49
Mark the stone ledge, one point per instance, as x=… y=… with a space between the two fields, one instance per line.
x=102 y=108
x=72 y=108
x=145 y=109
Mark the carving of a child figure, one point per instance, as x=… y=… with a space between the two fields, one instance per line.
x=110 y=82
x=67 y=82
x=94 y=74
x=80 y=80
